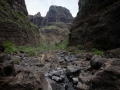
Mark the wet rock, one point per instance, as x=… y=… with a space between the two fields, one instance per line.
x=72 y=69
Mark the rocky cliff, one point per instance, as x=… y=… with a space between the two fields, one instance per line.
x=55 y=14
x=97 y=24
x=36 y=19
x=14 y=23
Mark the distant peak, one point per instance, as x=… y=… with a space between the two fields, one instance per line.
x=38 y=14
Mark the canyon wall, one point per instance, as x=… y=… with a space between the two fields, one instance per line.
x=15 y=25
x=97 y=25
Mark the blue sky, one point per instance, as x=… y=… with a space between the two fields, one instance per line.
x=42 y=6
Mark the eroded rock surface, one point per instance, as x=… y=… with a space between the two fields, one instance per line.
x=96 y=25
x=55 y=14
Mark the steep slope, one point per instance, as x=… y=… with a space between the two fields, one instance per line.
x=55 y=14
x=54 y=33
x=97 y=24
x=15 y=25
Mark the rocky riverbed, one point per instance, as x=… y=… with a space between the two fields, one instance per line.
x=59 y=70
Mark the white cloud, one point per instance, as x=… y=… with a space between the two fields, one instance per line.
x=42 y=6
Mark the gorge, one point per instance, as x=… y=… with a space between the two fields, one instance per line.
x=59 y=52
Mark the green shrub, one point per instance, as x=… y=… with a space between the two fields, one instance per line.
x=80 y=47
x=16 y=61
x=9 y=47
x=98 y=52
x=30 y=51
x=63 y=44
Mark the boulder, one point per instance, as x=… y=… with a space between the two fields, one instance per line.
x=71 y=70
x=81 y=86
x=57 y=79
x=94 y=60
x=97 y=61
x=108 y=77
x=89 y=56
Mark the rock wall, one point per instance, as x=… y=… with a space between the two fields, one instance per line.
x=55 y=14
x=15 y=25
x=97 y=25
x=36 y=19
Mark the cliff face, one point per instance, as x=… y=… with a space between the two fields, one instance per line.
x=55 y=14
x=59 y=14
x=15 y=25
x=97 y=24
x=36 y=19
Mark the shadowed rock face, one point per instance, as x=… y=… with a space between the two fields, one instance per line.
x=59 y=14
x=15 y=25
x=97 y=24
x=55 y=14
x=18 y=5
x=36 y=19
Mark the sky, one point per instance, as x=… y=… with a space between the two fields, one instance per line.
x=42 y=6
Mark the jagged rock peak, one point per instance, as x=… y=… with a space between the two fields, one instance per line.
x=59 y=11
x=55 y=14
x=38 y=14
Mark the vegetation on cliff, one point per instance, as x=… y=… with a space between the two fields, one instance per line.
x=15 y=25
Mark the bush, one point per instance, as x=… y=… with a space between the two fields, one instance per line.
x=80 y=47
x=9 y=47
x=98 y=52
x=30 y=51
x=63 y=44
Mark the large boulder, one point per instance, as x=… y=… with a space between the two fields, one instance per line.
x=71 y=70
x=97 y=61
x=108 y=77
